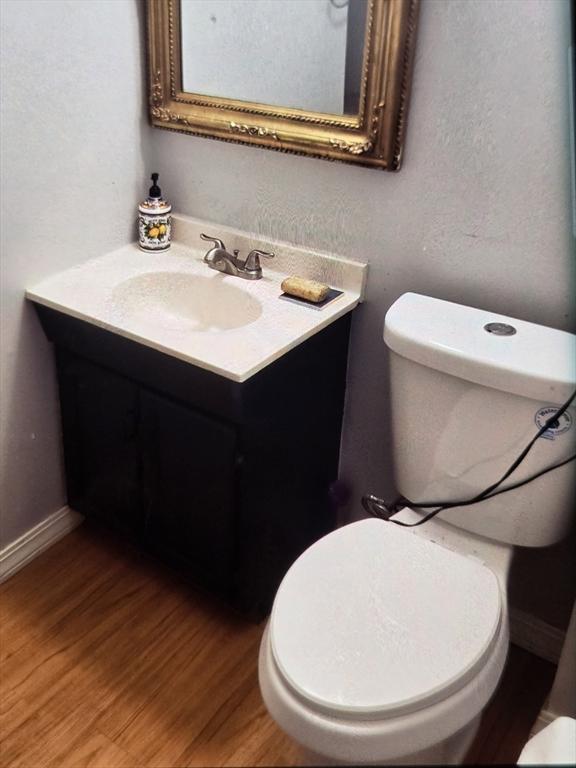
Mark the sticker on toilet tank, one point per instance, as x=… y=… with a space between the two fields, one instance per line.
x=558 y=427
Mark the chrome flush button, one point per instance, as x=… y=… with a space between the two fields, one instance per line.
x=500 y=329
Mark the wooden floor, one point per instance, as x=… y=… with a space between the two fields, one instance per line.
x=109 y=661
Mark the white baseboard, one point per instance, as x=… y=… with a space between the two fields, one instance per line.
x=536 y=636
x=545 y=717
x=20 y=552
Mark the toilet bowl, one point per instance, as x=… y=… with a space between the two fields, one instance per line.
x=384 y=677
x=385 y=643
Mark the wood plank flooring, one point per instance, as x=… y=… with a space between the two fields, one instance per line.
x=108 y=660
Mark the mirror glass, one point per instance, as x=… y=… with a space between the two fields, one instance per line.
x=302 y=54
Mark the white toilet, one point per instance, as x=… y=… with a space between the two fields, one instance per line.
x=385 y=643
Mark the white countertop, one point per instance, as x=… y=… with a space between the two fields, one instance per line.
x=96 y=292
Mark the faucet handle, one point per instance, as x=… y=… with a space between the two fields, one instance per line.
x=253 y=259
x=266 y=254
x=216 y=240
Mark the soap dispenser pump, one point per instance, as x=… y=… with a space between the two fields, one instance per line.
x=154 y=220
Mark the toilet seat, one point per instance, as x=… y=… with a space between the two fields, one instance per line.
x=372 y=622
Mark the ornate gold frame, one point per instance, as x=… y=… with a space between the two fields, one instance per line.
x=374 y=137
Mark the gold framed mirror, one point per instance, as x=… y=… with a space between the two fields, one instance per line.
x=325 y=78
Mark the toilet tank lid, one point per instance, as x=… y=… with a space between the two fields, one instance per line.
x=535 y=361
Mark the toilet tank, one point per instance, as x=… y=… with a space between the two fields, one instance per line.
x=469 y=389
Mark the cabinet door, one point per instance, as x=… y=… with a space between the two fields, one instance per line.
x=189 y=485
x=99 y=417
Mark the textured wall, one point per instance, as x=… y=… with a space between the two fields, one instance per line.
x=479 y=214
x=72 y=169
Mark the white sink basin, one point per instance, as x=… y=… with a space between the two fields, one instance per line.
x=174 y=303
x=180 y=300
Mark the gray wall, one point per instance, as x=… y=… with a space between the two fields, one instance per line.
x=72 y=170
x=479 y=214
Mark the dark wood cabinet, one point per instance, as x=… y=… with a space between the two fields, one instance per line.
x=189 y=482
x=227 y=481
x=100 y=430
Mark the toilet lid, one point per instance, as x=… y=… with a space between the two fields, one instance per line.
x=374 y=621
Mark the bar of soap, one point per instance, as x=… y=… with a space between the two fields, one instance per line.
x=311 y=290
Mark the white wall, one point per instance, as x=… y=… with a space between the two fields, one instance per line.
x=479 y=214
x=73 y=123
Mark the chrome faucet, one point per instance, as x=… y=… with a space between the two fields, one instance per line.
x=219 y=258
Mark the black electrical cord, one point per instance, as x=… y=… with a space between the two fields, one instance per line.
x=378 y=508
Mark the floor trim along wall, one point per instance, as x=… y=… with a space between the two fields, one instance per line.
x=536 y=636
x=20 y=552
x=544 y=718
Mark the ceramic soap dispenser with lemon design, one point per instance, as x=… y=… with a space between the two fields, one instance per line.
x=154 y=220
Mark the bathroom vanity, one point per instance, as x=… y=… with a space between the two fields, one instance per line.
x=223 y=472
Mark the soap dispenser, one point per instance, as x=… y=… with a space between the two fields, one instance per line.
x=154 y=220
